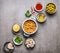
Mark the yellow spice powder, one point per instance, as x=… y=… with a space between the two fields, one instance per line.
x=41 y=18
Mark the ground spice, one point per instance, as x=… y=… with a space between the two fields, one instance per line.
x=38 y=6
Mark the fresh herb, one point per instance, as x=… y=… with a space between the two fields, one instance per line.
x=27 y=14
x=18 y=39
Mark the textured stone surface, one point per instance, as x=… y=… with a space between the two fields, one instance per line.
x=48 y=35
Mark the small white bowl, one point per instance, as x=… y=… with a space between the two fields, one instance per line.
x=35 y=7
x=17 y=43
x=27 y=32
x=45 y=18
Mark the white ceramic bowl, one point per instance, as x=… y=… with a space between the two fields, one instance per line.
x=16 y=42
x=45 y=18
x=35 y=23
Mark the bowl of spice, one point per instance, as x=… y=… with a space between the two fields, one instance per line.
x=38 y=7
x=51 y=8
x=41 y=17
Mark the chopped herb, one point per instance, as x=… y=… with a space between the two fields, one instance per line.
x=18 y=39
x=27 y=14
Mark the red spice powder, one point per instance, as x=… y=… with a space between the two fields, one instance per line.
x=38 y=6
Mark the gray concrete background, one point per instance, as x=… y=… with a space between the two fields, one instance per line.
x=48 y=35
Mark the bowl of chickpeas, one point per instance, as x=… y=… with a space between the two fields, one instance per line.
x=29 y=26
x=51 y=8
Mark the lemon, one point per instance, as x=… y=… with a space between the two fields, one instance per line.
x=16 y=28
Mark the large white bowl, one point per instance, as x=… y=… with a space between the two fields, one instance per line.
x=36 y=26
